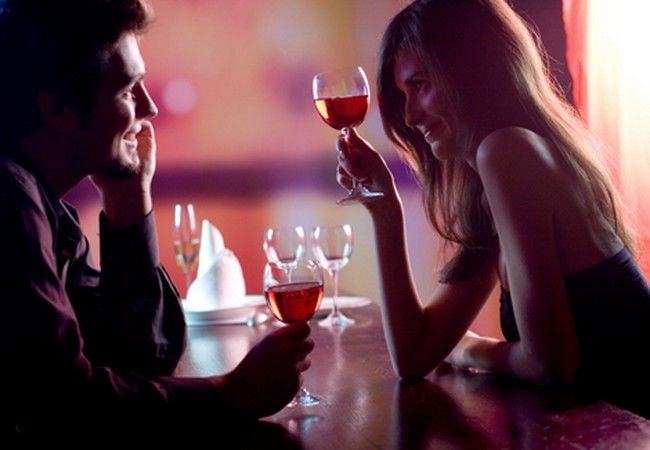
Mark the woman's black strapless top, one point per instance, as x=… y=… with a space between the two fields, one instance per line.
x=610 y=303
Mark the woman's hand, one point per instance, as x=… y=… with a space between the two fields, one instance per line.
x=458 y=356
x=357 y=160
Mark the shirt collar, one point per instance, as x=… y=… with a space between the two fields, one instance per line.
x=66 y=222
x=20 y=156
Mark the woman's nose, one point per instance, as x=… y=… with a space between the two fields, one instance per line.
x=412 y=112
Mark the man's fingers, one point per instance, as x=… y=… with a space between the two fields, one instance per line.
x=303 y=364
x=294 y=331
x=306 y=346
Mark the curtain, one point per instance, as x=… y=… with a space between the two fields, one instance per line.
x=608 y=54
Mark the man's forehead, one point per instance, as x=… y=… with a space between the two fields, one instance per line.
x=125 y=63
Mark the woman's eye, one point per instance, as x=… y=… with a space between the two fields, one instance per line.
x=419 y=85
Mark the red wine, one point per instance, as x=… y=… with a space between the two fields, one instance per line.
x=294 y=302
x=342 y=112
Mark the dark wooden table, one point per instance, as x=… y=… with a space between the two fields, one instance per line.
x=366 y=406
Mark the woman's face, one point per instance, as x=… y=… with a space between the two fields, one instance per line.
x=426 y=108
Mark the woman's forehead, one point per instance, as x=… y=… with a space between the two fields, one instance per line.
x=407 y=63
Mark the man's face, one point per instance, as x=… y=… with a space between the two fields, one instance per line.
x=108 y=141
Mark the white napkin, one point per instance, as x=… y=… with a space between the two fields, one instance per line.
x=219 y=281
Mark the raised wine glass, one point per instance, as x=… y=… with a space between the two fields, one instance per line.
x=332 y=246
x=284 y=246
x=186 y=241
x=294 y=297
x=341 y=98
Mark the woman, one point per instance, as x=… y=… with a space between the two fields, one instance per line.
x=510 y=181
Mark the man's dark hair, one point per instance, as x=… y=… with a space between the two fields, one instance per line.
x=60 y=47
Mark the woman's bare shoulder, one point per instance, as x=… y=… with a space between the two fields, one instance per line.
x=515 y=150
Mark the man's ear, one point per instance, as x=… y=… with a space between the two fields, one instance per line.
x=55 y=115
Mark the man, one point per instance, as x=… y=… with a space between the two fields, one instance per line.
x=82 y=349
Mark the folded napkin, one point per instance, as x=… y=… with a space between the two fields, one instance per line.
x=219 y=280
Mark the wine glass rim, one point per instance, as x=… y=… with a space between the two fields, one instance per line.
x=341 y=69
x=306 y=261
x=298 y=228
x=184 y=211
x=345 y=226
x=303 y=267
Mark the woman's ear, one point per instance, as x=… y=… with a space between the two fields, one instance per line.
x=55 y=115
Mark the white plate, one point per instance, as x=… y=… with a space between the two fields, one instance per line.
x=226 y=316
x=344 y=302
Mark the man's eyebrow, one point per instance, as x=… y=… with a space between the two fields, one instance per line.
x=126 y=78
x=137 y=77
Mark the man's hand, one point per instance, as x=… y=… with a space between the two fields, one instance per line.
x=270 y=374
x=126 y=198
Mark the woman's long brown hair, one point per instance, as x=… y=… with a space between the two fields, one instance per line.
x=492 y=69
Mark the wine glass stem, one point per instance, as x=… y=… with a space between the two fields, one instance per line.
x=335 y=292
x=188 y=281
x=345 y=132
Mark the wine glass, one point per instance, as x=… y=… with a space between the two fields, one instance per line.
x=341 y=98
x=186 y=240
x=332 y=246
x=284 y=246
x=294 y=297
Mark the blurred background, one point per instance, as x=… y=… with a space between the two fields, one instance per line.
x=238 y=135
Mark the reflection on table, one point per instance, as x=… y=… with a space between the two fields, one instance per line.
x=367 y=406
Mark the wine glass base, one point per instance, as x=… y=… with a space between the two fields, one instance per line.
x=336 y=320
x=361 y=194
x=303 y=398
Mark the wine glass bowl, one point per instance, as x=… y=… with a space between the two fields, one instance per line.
x=332 y=247
x=186 y=240
x=284 y=246
x=294 y=296
x=341 y=98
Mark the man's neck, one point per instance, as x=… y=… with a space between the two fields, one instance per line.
x=53 y=157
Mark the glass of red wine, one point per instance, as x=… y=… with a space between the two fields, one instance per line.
x=294 y=297
x=341 y=97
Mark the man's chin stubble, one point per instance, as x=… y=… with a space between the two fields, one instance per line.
x=123 y=171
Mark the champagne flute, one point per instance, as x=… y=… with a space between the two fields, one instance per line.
x=332 y=246
x=294 y=297
x=284 y=246
x=186 y=241
x=341 y=98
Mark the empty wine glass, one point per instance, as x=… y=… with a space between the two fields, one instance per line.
x=294 y=298
x=186 y=240
x=284 y=246
x=332 y=246
x=341 y=98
